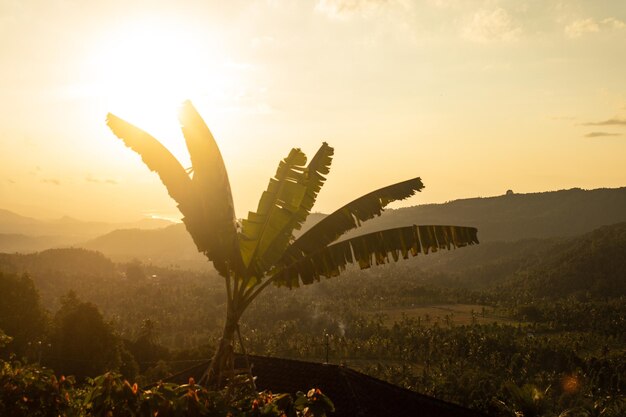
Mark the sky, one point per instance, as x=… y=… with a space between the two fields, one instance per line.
x=474 y=96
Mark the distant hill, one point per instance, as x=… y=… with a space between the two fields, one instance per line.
x=505 y=218
x=26 y=234
x=9 y=218
x=56 y=271
x=509 y=218
x=518 y=216
x=588 y=266
x=165 y=246
x=70 y=260
x=482 y=266
x=13 y=242
x=171 y=245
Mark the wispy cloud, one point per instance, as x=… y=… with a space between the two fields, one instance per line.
x=444 y=4
x=89 y=178
x=580 y=27
x=491 y=25
x=614 y=23
x=601 y=134
x=616 y=121
x=346 y=8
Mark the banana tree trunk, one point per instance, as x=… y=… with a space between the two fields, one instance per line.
x=221 y=371
x=222 y=367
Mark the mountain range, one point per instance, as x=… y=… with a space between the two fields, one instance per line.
x=26 y=234
x=507 y=218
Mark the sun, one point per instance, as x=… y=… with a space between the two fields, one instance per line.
x=144 y=70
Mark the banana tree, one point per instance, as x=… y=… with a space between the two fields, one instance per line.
x=262 y=250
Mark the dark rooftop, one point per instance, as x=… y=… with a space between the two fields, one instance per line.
x=353 y=393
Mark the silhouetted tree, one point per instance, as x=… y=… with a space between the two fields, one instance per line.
x=21 y=315
x=263 y=251
x=146 y=349
x=83 y=344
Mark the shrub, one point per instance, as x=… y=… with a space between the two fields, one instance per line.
x=28 y=390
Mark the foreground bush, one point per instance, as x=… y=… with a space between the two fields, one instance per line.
x=32 y=391
x=28 y=390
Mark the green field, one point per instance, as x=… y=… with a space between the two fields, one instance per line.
x=444 y=314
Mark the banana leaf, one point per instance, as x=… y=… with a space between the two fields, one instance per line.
x=157 y=158
x=214 y=226
x=283 y=207
x=375 y=248
x=348 y=217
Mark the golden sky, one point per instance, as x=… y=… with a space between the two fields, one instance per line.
x=474 y=96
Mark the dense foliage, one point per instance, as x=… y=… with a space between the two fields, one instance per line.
x=508 y=336
x=29 y=390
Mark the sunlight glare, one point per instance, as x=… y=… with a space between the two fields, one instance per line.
x=145 y=71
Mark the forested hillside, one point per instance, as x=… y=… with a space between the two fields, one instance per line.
x=504 y=218
x=26 y=234
x=512 y=217
x=479 y=326
x=592 y=266
x=508 y=218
